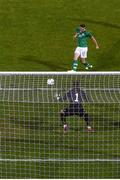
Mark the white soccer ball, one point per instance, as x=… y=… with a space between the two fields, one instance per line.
x=50 y=82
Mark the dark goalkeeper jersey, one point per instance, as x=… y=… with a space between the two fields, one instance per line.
x=75 y=96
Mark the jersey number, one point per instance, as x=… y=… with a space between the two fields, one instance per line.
x=76 y=97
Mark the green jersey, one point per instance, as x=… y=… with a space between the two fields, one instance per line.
x=82 y=38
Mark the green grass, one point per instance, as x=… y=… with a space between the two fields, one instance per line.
x=52 y=170
x=37 y=136
x=37 y=35
x=30 y=129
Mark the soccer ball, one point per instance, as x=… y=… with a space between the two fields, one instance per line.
x=50 y=81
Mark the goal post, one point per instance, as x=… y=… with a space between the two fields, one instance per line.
x=33 y=141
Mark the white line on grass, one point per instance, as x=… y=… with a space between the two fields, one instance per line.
x=60 y=160
x=52 y=88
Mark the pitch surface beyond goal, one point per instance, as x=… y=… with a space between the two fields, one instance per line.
x=32 y=141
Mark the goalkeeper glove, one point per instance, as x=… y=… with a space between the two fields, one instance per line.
x=57 y=96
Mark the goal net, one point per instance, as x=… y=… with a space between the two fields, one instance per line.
x=34 y=142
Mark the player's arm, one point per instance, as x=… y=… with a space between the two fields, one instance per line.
x=95 y=42
x=60 y=98
x=75 y=36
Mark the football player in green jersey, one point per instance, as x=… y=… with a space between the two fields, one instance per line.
x=82 y=37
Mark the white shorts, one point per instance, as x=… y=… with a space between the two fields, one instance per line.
x=82 y=51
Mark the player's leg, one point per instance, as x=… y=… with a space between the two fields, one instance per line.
x=83 y=57
x=75 y=61
x=87 y=118
x=86 y=64
x=63 y=114
x=79 y=110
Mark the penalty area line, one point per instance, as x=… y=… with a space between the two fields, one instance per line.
x=60 y=160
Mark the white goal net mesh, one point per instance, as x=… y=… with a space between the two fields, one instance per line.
x=33 y=142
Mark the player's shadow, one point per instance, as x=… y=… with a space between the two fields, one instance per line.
x=28 y=124
x=25 y=140
x=107 y=124
x=33 y=124
x=51 y=65
x=106 y=24
x=116 y=124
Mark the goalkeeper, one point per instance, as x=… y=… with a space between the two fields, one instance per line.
x=82 y=37
x=75 y=96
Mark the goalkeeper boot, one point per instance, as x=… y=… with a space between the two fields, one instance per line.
x=65 y=127
x=90 y=129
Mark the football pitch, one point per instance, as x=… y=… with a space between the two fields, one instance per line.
x=33 y=145
x=32 y=142
x=37 y=35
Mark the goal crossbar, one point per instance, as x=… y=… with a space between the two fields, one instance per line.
x=61 y=73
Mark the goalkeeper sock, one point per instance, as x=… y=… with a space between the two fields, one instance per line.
x=75 y=65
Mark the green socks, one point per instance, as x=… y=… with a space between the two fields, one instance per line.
x=75 y=65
